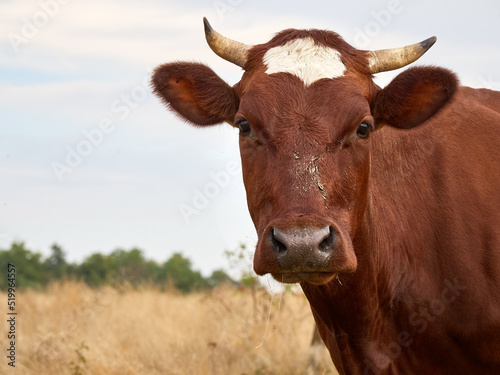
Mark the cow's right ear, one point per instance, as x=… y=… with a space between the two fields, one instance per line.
x=195 y=92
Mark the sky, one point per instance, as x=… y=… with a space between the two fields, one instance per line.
x=91 y=160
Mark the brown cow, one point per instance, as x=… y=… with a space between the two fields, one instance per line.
x=384 y=203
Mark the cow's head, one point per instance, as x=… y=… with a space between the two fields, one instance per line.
x=305 y=108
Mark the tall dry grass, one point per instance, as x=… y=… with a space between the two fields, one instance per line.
x=72 y=329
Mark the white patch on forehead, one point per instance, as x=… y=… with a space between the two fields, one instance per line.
x=306 y=60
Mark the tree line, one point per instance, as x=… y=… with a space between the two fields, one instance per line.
x=33 y=270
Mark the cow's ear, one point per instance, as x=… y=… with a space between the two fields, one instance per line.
x=413 y=97
x=195 y=92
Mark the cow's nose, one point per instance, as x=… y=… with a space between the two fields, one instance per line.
x=302 y=248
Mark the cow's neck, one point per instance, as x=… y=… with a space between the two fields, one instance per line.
x=357 y=310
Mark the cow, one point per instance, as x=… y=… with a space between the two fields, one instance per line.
x=383 y=203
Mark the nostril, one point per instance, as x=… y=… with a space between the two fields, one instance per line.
x=327 y=243
x=277 y=244
x=300 y=249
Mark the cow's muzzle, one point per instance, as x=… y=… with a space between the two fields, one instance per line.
x=304 y=253
x=302 y=249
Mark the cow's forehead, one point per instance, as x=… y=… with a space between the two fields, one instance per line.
x=312 y=56
x=305 y=59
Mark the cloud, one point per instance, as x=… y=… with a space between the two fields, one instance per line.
x=109 y=31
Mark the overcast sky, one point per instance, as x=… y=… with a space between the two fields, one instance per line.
x=91 y=160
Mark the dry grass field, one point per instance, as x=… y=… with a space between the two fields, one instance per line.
x=73 y=329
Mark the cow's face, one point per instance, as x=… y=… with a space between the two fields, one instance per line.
x=305 y=108
x=305 y=158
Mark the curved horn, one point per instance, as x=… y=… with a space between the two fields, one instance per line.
x=226 y=48
x=389 y=59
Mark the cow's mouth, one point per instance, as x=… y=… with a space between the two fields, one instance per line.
x=316 y=278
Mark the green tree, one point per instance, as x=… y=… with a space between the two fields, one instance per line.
x=56 y=264
x=219 y=277
x=177 y=270
x=131 y=266
x=28 y=265
x=96 y=270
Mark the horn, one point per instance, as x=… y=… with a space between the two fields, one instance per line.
x=389 y=59
x=226 y=48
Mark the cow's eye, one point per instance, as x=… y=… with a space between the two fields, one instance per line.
x=244 y=126
x=364 y=130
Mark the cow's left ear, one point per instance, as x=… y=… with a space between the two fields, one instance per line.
x=413 y=97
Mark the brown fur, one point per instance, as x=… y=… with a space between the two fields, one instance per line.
x=411 y=282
